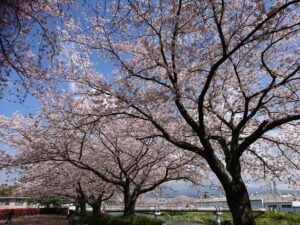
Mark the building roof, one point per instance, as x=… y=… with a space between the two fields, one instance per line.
x=274 y=197
x=296 y=204
x=265 y=198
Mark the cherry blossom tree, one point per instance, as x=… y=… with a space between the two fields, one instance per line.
x=44 y=179
x=28 y=42
x=216 y=78
x=219 y=79
x=117 y=149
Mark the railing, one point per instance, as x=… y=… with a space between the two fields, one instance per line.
x=175 y=209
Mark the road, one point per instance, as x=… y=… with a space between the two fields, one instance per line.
x=39 y=220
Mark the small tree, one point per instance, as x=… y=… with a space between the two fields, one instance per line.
x=48 y=201
x=7 y=191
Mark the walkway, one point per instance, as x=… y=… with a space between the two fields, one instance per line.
x=39 y=220
x=140 y=209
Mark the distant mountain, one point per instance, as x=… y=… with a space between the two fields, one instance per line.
x=184 y=188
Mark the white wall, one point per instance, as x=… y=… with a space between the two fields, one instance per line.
x=10 y=203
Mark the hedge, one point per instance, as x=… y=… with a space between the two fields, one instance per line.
x=106 y=219
x=56 y=211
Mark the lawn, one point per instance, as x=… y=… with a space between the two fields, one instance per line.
x=262 y=218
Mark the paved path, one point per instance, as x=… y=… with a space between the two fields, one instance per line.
x=39 y=220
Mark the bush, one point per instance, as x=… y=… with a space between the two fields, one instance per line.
x=57 y=211
x=226 y=222
x=112 y=220
x=55 y=201
x=90 y=219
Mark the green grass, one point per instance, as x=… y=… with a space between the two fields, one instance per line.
x=278 y=218
x=261 y=218
x=200 y=217
x=106 y=219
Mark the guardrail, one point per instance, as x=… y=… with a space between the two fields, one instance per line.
x=176 y=209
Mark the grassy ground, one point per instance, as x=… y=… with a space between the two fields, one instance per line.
x=106 y=219
x=263 y=218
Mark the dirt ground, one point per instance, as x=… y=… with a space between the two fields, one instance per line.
x=39 y=220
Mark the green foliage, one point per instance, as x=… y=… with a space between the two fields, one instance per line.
x=226 y=222
x=51 y=200
x=261 y=218
x=6 y=191
x=90 y=219
x=54 y=211
x=107 y=219
x=279 y=218
x=200 y=217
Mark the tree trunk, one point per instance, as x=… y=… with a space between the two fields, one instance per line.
x=81 y=199
x=76 y=208
x=235 y=190
x=239 y=203
x=96 y=208
x=129 y=203
x=82 y=207
x=129 y=208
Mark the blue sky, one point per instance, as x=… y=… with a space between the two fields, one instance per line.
x=8 y=106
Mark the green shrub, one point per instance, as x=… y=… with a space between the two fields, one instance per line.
x=112 y=220
x=141 y=220
x=261 y=218
x=87 y=218
x=226 y=222
x=56 y=211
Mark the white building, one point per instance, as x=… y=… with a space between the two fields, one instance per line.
x=283 y=206
x=278 y=203
x=15 y=202
x=222 y=203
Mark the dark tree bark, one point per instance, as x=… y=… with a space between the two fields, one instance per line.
x=129 y=207
x=235 y=189
x=237 y=197
x=77 y=208
x=239 y=203
x=82 y=207
x=81 y=198
x=96 y=203
x=96 y=208
x=129 y=201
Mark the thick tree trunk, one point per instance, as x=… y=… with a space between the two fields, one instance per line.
x=129 y=204
x=239 y=203
x=96 y=208
x=235 y=190
x=129 y=199
x=129 y=208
